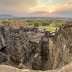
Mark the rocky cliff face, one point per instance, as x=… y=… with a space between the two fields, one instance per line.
x=2 y=37
x=62 y=50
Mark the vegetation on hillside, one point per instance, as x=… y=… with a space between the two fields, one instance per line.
x=4 y=22
x=42 y=23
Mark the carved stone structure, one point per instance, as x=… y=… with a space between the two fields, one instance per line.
x=38 y=48
x=22 y=44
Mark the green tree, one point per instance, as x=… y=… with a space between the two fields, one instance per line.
x=45 y=23
x=36 y=24
x=58 y=23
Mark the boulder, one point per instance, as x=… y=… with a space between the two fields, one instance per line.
x=21 y=66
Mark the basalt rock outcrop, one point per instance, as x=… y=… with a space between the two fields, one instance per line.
x=62 y=50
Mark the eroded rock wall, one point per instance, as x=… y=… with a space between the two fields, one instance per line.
x=2 y=37
x=62 y=49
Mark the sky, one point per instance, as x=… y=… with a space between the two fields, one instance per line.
x=42 y=8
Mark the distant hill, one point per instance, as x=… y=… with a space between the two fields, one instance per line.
x=6 y=16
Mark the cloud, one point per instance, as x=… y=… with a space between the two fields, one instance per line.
x=63 y=9
x=17 y=5
x=65 y=13
x=69 y=4
x=49 y=5
x=50 y=2
x=36 y=7
x=39 y=12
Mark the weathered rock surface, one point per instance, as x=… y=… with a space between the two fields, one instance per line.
x=62 y=50
x=36 y=63
x=22 y=44
x=2 y=37
x=3 y=58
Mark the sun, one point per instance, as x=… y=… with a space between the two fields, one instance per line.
x=50 y=11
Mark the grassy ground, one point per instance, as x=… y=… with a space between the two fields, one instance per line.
x=48 y=28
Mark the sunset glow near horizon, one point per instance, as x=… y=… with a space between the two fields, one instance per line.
x=42 y=8
x=50 y=11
